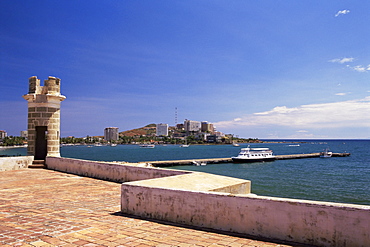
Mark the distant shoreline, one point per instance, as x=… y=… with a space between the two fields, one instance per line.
x=9 y=147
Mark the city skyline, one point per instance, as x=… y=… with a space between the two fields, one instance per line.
x=266 y=69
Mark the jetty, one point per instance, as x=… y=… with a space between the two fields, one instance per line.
x=167 y=163
x=311 y=155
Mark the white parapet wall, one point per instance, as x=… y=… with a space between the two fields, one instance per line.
x=223 y=203
x=15 y=163
x=131 y=172
x=300 y=221
x=108 y=170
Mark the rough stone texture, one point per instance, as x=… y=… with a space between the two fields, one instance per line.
x=15 y=163
x=44 y=110
x=49 y=208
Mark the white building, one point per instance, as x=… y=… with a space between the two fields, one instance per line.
x=111 y=134
x=162 y=129
x=24 y=133
x=192 y=126
x=3 y=134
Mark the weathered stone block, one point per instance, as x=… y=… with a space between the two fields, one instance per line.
x=46 y=115
x=31 y=132
x=41 y=109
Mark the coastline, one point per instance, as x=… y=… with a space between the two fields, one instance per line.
x=10 y=147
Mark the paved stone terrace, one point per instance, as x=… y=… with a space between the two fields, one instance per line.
x=47 y=208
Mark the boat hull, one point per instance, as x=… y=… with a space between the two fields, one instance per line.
x=251 y=160
x=147 y=146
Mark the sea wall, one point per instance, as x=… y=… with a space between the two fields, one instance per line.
x=15 y=163
x=108 y=171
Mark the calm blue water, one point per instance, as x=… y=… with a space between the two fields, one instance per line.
x=336 y=179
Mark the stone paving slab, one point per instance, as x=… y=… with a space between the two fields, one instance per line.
x=48 y=208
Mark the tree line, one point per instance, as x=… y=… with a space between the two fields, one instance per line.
x=13 y=141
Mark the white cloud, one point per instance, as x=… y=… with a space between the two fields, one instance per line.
x=352 y=113
x=278 y=109
x=342 y=12
x=341 y=94
x=360 y=68
x=342 y=60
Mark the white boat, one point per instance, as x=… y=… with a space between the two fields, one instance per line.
x=186 y=145
x=198 y=163
x=326 y=154
x=236 y=144
x=147 y=146
x=254 y=155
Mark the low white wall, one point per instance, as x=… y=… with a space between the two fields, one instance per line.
x=168 y=178
x=301 y=221
x=108 y=171
x=15 y=163
x=199 y=181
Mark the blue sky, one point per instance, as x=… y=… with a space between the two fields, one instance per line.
x=261 y=69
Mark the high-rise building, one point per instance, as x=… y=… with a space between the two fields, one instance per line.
x=111 y=134
x=162 y=129
x=24 y=133
x=3 y=134
x=207 y=127
x=192 y=126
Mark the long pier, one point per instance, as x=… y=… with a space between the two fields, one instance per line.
x=311 y=155
x=166 y=163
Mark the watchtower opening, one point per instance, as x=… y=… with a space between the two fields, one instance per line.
x=41 y=143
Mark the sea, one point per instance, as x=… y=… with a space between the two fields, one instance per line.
x=335 y=179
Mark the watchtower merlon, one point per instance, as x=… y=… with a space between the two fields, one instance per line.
x=52 y=85
x=34 y=85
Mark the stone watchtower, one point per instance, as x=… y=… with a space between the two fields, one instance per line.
x=43 y=117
